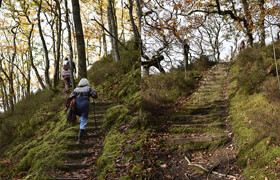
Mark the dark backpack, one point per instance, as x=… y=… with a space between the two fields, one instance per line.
x=71 y=111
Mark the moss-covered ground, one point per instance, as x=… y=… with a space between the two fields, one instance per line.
x=255 y=112
x=37 y=131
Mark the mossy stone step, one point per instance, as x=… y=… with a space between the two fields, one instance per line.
x=74 y=167
x=207 y=103
x=215 y=124
x=100 y=111
x=92 y=122
x=102 y=106
x=204 y=110
x=103 y=103
x=76 y=146
x=93 y=128
x=97 y=116
x=216 y=76
x=211 y=82
x=86 y=136
x=188 y=117
x=178 y=140
x=208 y=97
x=65 y=178
x=208 y=90
x=78 y=154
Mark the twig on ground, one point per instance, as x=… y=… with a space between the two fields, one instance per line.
x=206 y=170
x=187 y=176
x=228 y=165
x=213 y=169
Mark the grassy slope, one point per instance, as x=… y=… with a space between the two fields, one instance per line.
x=33 y=137
x=255 y=112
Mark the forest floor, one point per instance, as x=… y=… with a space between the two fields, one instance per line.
x=196 y=140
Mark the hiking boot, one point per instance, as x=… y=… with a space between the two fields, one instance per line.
x=80 y=135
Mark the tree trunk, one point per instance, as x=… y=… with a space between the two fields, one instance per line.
x=47 y=61
x=11 y=75
x=113 y=30
x=82 y=68
x=58 y=44
x=249 y=23
x=186 y=49
x=139 y=13
x=122 y=37
x=262 y=19
x=70 y=44
x=135 y=29
x=105 y=53
x=5 y=101
x=32 y=60
x=155 y=61
x=28 y=82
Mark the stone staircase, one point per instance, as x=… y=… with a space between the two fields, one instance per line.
x=205 y=108
x=82 y=158
x=201 y=130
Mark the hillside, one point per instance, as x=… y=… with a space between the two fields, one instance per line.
x=255 y=110
x=34 y=143
x=223 y=117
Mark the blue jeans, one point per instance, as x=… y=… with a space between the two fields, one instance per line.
x=82 y=107
x=83 y=120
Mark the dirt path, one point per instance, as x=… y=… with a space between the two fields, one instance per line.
x=198 y=141
x=81 y=159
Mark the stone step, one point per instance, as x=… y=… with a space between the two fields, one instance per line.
x=204 y=110
x=178 y=140
x=199 y=97
x=103 y=103
x=196 y=118
x=215 y=124
x=98 y=116
x=86 y=136
x=211 y=85
x=189 y=117
x=74 y=167
x=206 y=103
x=93 y=128
x=99 y=111
x=65 y=178
x=208 y=90
x=78 y=154
x=102 y=107
x=212 y=82
x=77 y=146
x=92 y=122
x=216 y=76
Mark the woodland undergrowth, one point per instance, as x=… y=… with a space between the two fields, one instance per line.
x=255 y=111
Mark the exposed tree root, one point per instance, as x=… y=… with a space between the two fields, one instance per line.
x=209 y=171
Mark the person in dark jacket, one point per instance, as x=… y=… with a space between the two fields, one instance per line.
x=82 y=94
